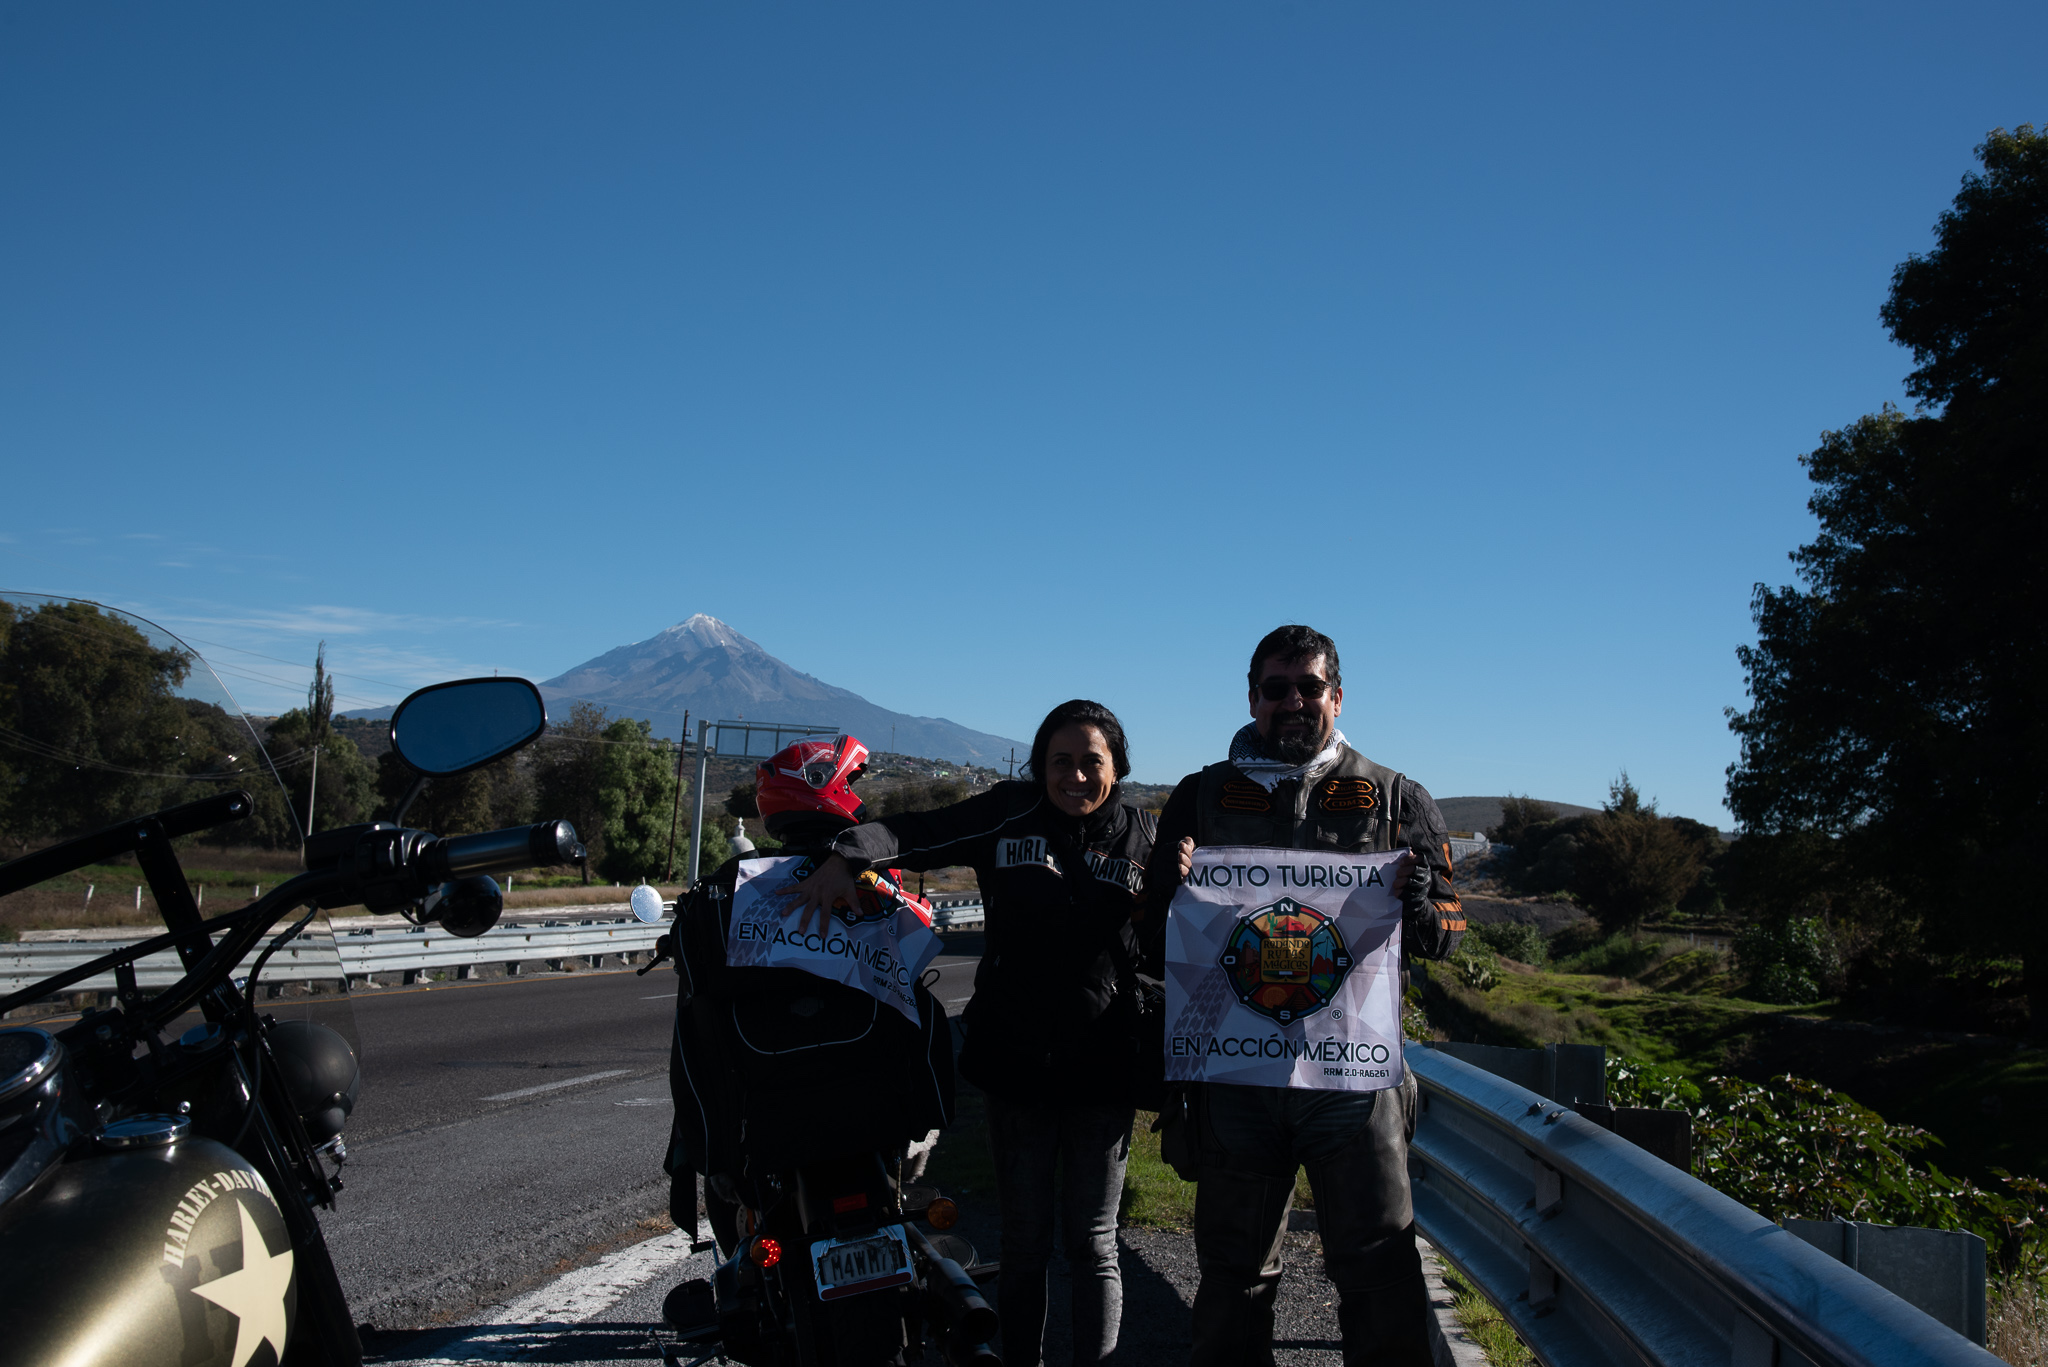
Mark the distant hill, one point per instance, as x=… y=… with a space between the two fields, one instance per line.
x=1478 y=813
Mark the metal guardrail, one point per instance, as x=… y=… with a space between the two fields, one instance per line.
x=956 y=913
x=311 y=957
x=410 y=948
x=1598 y=1253
x=320 y=956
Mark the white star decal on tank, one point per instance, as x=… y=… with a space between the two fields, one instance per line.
x=254 y=1295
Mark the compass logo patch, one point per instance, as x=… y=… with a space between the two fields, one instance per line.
x=1285 y=960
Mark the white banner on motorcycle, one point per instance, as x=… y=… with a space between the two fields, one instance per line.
x=879 y=947
x=1283 y=969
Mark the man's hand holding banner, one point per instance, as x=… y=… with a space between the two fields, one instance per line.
x=879 y=946
x=1283 y=969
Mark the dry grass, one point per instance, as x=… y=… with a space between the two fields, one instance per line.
x=2016 y=1322
x=597 y=894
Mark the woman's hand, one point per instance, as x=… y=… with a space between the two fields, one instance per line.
x=831 y=882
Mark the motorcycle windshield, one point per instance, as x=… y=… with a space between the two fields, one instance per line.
x=105 y=716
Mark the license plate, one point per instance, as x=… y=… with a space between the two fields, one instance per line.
x=872 y=1262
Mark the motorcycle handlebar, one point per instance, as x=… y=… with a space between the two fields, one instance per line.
x=515 y=847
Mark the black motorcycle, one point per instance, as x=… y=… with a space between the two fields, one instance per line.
x=831 y=1269
x=158 y=1189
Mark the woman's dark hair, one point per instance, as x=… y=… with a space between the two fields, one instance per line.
x=1296 y=643
x=1079 y=712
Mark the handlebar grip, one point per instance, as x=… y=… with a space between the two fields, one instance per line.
x=516 y=847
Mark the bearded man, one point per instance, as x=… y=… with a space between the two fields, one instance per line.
x=1292 y=782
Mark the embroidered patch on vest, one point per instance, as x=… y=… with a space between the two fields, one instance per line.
x=1348 y=795
x=1242 y=795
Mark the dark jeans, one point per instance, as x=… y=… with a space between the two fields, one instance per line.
x=1087 y=1147
x=1355 y=1146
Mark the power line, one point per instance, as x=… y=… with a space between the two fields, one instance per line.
x=30 y=745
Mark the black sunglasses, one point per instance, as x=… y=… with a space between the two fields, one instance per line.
x=1273 y=690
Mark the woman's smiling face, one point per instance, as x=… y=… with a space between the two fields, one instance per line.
x=1079 y=771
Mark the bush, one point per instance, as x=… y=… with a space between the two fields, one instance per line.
x=1790 y=962
x=1510 y=939
x=1475 y=965
x=1793 y=1148
x=1576 y=938
x=1619 y=956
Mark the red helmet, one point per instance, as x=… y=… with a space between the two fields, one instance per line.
x=810 y=778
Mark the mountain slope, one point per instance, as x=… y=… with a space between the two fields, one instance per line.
x=705 y=667
x=1477 y=813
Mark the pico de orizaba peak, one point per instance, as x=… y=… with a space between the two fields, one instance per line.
x=705 y=667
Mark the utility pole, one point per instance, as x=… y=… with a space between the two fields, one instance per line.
x=682 y=747
x=697 y=803
x=312 y=785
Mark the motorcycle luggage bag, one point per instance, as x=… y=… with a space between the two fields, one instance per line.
x=775 y=1066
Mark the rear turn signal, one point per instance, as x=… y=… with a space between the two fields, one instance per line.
x=942 y=1214
x=766 y=1252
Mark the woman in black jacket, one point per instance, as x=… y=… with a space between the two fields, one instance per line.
x=1050 y=1032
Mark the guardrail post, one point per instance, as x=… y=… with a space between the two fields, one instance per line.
x=464 y=972
x=411 y=976
x=1753 y=1346
x=555 y=965
x=512 y=968
x=1542 y=1283
x=597 y=961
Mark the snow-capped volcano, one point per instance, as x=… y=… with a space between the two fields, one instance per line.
x=705 y=667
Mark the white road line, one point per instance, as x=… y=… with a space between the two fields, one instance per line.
x=532 y=1324
x=551 y=1086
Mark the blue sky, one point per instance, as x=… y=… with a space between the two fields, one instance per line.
x=976 y=357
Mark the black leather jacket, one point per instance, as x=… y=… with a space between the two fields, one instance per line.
x=1047 y=1022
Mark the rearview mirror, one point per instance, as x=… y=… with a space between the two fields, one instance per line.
x=647 y=904
x=451 y=728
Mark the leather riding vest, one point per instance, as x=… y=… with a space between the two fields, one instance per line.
x=1353 y=807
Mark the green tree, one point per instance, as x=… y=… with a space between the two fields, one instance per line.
x=1517 y=815
x=1900 y=695
x=459 y=804
x=1633 y=862
x=636 y=791
x=91 y=722
x=567 y=774
x=615 y=782
x=345 y=787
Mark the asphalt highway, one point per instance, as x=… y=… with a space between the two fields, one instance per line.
x=505 y=1201
x=507 y=1131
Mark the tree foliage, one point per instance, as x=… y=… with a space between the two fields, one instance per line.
x=1633 y=862
x=919 y=795
x=1625 y=863
x=636 y=799
x=616 y=782
x=1793 y=1148
x=1517 y=816
x=91 y=717
x=1899 y=693
x=345 y=785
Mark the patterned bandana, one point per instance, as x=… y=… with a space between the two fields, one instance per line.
x=1248 y=753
